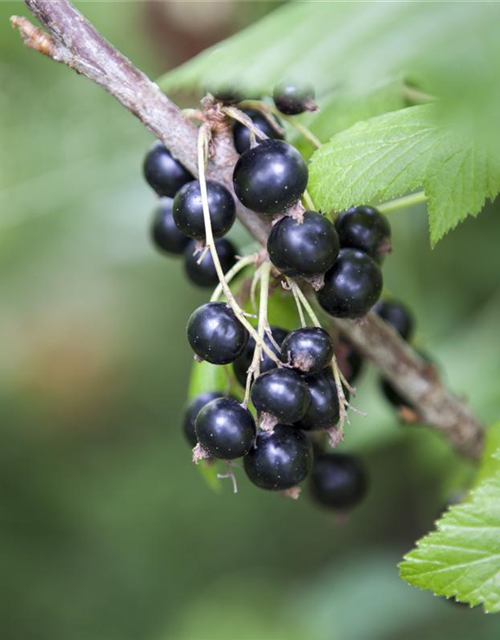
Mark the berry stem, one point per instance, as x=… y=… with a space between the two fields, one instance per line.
x=239 y=266
x=418 y=97
x=203 y=138
x=254 y=369
x=298 y=303
x=308 y=201
x=402 y=203
x=239 y=116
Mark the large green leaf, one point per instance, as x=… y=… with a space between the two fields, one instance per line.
x=389 y=155
x=462 y=558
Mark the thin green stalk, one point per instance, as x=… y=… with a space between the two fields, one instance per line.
x=402 y=203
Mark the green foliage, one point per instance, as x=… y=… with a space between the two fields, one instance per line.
x=462 y=558
x=206 y=377
x=398 y=152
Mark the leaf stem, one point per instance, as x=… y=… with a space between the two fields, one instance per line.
x=308 y=201
x=402 y=203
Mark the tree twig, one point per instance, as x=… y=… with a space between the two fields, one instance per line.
x=72 y=40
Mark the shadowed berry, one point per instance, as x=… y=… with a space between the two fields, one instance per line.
x=241 y=365
x=338 y=481
x=192 y=411
x=163 y=172
x=323 y=410
x=349 y=360
x=308 y=350
x=204 y=274
x=242 y=135
x=364 y=228
x=292 y=99
x=164 y=231
x=397 y=315
x=188 y=209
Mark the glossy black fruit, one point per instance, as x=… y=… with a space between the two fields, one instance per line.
x=292 y=99
x=164 y=231
x=306 y=249
x=241 y=365
x=163 y=172
x=271 y=177
x=225 y=429
x=349 y=360
x=188 y=210
x=215 y=334
x=366 y=229
x=338 y=481
x=192 y=411
x=308 y=350
x=204 y=274
x=352 y=286
x=279 y=460
x=242 y=135
x=323 y=410
x=397 y=315
x=281 y=393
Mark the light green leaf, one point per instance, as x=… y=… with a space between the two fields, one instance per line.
x=206 y=377
x=389 y=155
x=461 y=559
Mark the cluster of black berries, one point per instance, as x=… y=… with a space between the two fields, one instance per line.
x=295 y=394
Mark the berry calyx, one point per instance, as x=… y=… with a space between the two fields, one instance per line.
x=192 y=411
x=188 y=209
x=352 y=286
x=364 y=228
x=292 y=99
x=163 y=172
x=270 y=177
x=303 y=249
x=164 y=232
x=204 y=273
x=338 y=481
x=308 y=350
x=241 y=365
x=281 y=393
x=242 y=135
x=215 y=333
x=225 y=429
x=397 y=315
x=279 y=460
x=323 y=412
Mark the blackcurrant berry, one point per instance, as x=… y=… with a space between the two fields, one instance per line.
x=397 y=315
x=270 y=177
x=281 y=393
x=323 y=411
x=308 y=350
x=204 y=274
x=293 y=99
x=164 y=231
x=279 y=460
x=241 y=365
x=366 y=229
x=215 y=333
x=242 y=135
x=352 y=286
x=225 y=429
x=188 y=209
x=192 y=411
x=303 y=249
x=349 y=360
x=338 y=481
x=163 y=172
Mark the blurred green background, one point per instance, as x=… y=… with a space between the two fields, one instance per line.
x=106 y=529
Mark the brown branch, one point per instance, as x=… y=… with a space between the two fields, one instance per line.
x=71 y=39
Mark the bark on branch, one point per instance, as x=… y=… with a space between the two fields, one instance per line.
x=72 y=40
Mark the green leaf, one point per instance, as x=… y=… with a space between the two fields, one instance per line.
x=461 y=559
x=206 y=377
x=389 y=155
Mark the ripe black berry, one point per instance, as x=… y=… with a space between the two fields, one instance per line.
x=366 y=229
x=225 y=429
x=242 y=135
x=163 y=172
x=204 y=274
x=352 y=286
x=281 y=393
x=303 y=249
x=308 y=350
x=271 y=177
x=188 y=209
x=164 y=231
x=215 y=334
x=338 y=481
x=323 y=410
x=241 y=365
x=293 y=99
x=279 y=460
x=397 y=315
x=349 y=360
x=192 y=411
